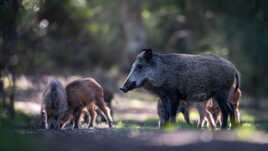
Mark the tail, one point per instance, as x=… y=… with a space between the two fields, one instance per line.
x=237 y=77
x=53 y=93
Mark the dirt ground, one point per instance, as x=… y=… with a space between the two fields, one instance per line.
x=135 y=130
x=149 y=140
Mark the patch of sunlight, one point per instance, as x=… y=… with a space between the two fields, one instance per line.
x=171 y=127
x=180 y=117
x=151 y=120
x=245 y=116
x=194 y=116
x=23 y=83
x=27 y=107
x=135 y=126
x=102 y=125
x=136 y=103
x=84 y=125
x=134 y=132
x=120 y=124
x=246 y=131
x=129 y=116
x=145 y=14
x=142 y=96
x=30 y=4
x=79 y=2
x=7 y=82
x=133 y=102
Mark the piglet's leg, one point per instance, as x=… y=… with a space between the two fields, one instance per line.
x=105 y=111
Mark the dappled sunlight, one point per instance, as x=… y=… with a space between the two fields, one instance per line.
x=136 y=112
x=245 y=116
x=194 y=115
x=246 y=131
x=29 y=108
x=141 y=95
x=136 y=116
x=126 y=108
x=23 y=83
x=7 y=82
x=176 y=49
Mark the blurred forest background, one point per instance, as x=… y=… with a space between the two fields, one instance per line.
x=100 y=38
x=68 y=37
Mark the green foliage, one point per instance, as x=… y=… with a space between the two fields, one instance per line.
x=10 y=139
x=85 y=34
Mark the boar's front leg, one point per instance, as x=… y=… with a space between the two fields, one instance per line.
x=173 y=105
x=162 y=113
x=170 y=106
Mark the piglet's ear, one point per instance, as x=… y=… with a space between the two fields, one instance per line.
x=148 y=53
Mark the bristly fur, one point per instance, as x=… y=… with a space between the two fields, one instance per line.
x=175 y=77
x=86 y=93
x=54 y=105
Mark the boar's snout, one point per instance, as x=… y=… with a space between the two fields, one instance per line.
x=128 y=85
x=123 y=89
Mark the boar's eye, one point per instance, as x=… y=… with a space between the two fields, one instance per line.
x=139 y=67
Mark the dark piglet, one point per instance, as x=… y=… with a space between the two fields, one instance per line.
x=53 y=106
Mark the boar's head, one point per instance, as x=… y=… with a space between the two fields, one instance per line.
x=141 y=71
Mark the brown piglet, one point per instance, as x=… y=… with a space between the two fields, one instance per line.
x=85 y=93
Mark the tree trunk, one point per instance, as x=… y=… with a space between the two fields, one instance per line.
x=9 y=47
x=3 y=94
x=133 y=36
x=13 y=91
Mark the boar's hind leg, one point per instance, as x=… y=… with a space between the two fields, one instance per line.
x=233 y=119
x=222 y=100
x=105 y=111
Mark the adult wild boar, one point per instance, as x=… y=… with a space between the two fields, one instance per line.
x=174 y=77
x=54 y=105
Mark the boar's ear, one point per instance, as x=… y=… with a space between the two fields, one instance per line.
x=148 y=53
